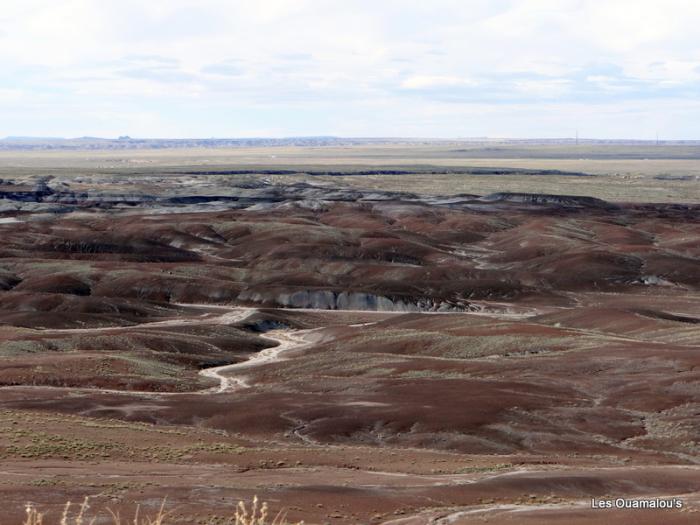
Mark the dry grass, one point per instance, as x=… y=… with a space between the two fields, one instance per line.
x=258 y=515
x=623 y=173
x=255 y=514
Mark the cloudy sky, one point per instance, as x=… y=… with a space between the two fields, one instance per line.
x=440 y=68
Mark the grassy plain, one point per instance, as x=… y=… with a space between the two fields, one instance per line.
x=642 y=173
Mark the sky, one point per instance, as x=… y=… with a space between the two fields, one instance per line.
x=353 y=68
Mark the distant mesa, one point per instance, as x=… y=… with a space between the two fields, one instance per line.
x=463 y=148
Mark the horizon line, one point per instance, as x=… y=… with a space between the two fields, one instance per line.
x=127 y=138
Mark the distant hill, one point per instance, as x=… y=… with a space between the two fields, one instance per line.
x=496 y=146
x=127 y=142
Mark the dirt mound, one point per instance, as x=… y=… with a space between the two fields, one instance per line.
x=55 y=284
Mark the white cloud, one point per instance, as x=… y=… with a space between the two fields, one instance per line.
x=226 y=66
x=431 y=81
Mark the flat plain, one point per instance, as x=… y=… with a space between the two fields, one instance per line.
x=395 y=334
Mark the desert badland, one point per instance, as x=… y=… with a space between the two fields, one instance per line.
x=395 y=334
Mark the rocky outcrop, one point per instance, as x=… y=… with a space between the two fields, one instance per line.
x=332 y=300
x=19 y=193
x=257 y=196
x=539 y=199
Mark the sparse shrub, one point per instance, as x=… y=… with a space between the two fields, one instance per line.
x=34 y=517
x=256 y=514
